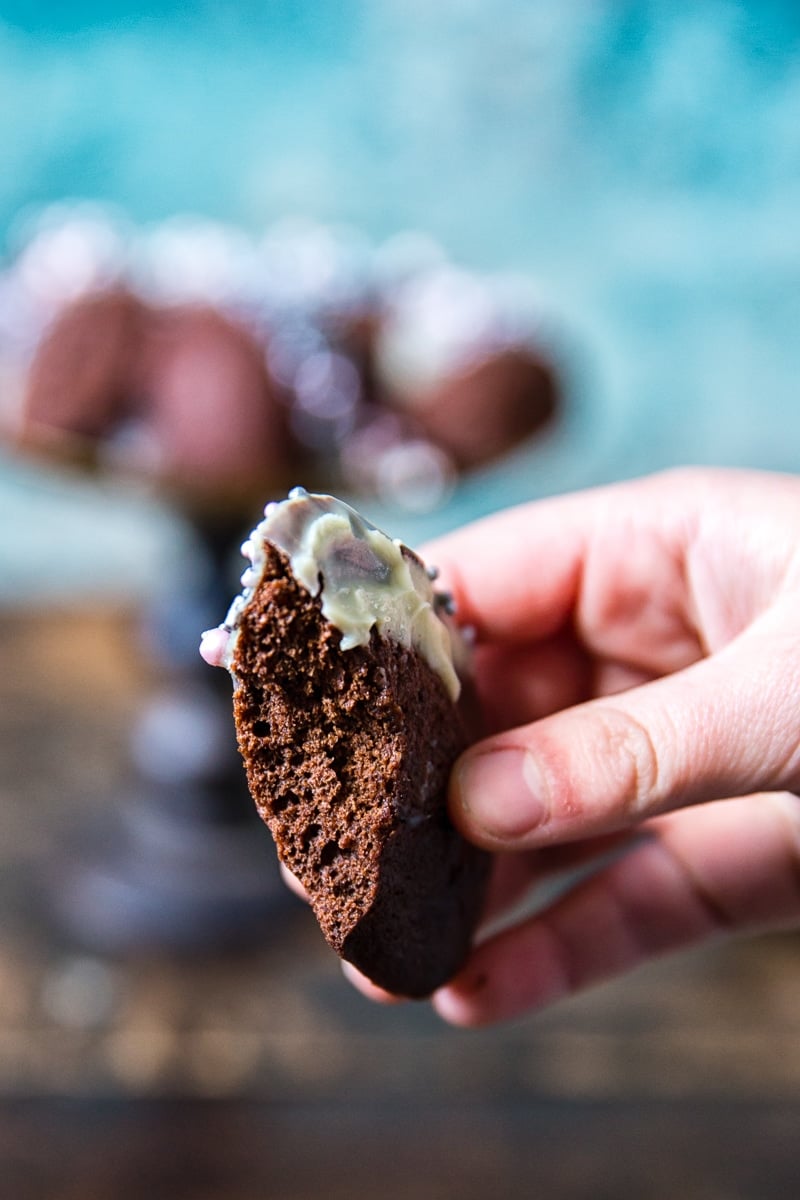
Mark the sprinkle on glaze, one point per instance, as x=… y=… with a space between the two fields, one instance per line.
x=364 y=579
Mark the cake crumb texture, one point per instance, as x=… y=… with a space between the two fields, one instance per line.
x=348 y=754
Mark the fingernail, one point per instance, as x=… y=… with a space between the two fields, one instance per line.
x=502 y=793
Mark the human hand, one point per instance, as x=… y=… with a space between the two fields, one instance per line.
x=638 y=655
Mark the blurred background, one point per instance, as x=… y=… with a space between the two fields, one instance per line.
x=440 y=258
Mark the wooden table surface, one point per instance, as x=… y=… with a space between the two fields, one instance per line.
x=261 y=1074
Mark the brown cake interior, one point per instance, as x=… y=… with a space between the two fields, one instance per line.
x=347 y=755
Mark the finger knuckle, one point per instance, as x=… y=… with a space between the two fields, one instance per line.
x=634 y=758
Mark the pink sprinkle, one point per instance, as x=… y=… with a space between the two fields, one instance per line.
x=213 y=645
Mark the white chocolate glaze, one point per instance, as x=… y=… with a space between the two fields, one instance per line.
x=363 y=577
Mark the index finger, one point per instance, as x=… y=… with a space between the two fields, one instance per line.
x=616 y=556
x=518 y=575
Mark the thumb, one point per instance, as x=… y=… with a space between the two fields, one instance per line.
x=726 y=726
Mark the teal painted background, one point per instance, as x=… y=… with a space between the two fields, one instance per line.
x=640 y=160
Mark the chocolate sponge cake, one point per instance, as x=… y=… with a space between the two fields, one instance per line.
x=346 y=704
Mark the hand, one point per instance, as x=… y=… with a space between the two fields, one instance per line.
x=638 y=655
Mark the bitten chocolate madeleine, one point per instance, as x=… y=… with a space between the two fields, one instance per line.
x=346 y=703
